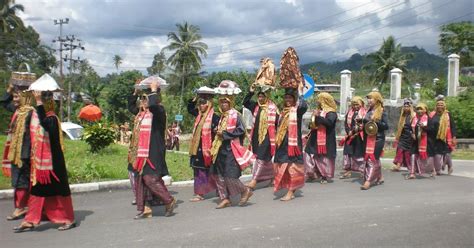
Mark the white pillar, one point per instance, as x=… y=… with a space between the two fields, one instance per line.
x=395 y=84
x=345 y=91
x=416 y=95
x=453 y=74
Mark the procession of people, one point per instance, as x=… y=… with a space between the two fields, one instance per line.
x=221 y=149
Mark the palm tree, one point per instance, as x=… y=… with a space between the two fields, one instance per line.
x=8 y=18
x=117 y=61
x=187 y=51
x=388 y=57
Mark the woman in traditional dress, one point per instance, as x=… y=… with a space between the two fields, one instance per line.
x=288 y=158
x=354 y=141
x=441 y=137
x=419 y=155
x=263 y=133
x=229 y=155
x=374 y=142
x=50 y=193
x=16 y=161
x=204 y=130
x=150 y=150
x=320 y=150
x=403 y=137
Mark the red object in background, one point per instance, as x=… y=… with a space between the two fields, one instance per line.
x=90 y=113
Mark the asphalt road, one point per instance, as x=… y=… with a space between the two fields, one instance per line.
x=399 y=213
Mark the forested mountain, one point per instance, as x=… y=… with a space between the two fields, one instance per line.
x=422 y=61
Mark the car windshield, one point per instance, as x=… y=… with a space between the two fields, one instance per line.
x=75 y=132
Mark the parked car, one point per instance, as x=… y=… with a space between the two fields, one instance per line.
x=71 y=130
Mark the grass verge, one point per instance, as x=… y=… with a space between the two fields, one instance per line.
x=109 y=164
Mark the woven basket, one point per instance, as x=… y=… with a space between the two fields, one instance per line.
x=22 y=79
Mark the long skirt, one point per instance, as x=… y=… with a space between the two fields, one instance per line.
x=228 y=187
x=155 y=185
x=203 y=183
x=403 y=158
x=421 y=166
x=289 y=176
x=21 y=198
x=354 y=164
x=373 y=170
x=262 y=170
x=57 y=209
x=441 y=160
x=319 y=166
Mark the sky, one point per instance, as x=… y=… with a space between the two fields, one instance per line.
x=240 y=32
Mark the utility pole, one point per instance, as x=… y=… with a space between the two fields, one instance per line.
x=60 y=39
x=72 y=62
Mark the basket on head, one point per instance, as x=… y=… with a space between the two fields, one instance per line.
x=22 y=79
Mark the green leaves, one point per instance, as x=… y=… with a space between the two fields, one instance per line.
x=98 y=136
x=458 y=38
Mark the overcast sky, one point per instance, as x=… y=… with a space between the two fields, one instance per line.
x=240 y=32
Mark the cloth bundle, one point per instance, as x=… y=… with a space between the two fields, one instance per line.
x=290 y=74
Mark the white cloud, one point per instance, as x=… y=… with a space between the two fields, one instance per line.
x=239 y=33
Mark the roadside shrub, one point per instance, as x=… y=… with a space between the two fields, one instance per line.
x=98 y=136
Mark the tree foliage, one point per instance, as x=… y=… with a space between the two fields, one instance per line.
x=117 y=61
x=8 y=18
x=117 y=93
x=458 y=38
x=388 y=57
x=158 y=65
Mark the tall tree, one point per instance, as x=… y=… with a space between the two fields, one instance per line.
x=89 y=82
x=389 y=56
x=187 y=49
x=158 y=65
x=117 y=61
x=458 y=38
x=8 y=18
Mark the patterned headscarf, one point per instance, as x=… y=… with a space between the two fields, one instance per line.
x=357 y=100
x=229 y=98
x=422 y=106
x=327 y=102
x=443 y=122
x=402 y=119
x=26 y=98
x=378 y=107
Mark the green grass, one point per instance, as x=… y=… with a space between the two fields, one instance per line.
x=458 y=154
x=109 y=164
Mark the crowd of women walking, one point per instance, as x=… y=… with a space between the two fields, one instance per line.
x=277 y=151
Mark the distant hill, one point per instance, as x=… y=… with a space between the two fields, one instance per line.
x=422 y=61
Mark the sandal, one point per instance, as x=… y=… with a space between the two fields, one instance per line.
x=16 y=215
x=196 y=198
x=143 y=215
x=410 y=177
x=223 y=204
x=24 y=227
x=67 y=226
x=345 y=176
x=285 y=198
